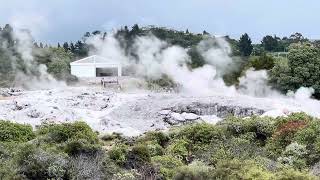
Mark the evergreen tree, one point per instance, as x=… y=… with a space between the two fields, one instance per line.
x=7 y=35
x=135 y=30
x=59 y=45
x=66 y=46
x=205 y=32
x=245 y=45
x=72 y=48
x=97 y=32
x=270 y=43
x=35 y=45
x=41 y=45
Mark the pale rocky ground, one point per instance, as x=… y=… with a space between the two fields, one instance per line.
x=133 y=112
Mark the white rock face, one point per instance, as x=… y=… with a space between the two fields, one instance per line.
x=189 y=116
x=211 y=119
x=133 y=113
x=177 y=117
x=164 y=112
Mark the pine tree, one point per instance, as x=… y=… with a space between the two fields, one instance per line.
x=41 y=45
x=66 y=46
x=245 y=45
x=72 y=48
x=59 y=45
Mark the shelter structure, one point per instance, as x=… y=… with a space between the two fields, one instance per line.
x=95 y=66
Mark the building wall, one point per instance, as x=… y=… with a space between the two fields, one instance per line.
x=88 y=70
x=83 y=70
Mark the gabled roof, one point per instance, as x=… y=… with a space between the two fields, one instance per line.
x=95 y=59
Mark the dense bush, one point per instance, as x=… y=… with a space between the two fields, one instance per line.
x=167 y=165
x=301 y=69
x=58 y=133
x=35 y=163
x=235 y=148
x=119 y=154
x=194 y=171
x=262 y=62
x=13 y=132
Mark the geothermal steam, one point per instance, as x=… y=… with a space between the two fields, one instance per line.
x=28 y=79
x=155 y=58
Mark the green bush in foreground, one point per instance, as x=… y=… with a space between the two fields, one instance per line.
x=58 y=133
x=14 y=132
x=235 y=148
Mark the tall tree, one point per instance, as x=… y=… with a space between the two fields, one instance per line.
x=135 y=30
x=72 y=48
x=41 y=45
x=96 y=32
x=270 y=43
x=245 y=45
x=59 y=45
x=7 y=35
x=66 y=46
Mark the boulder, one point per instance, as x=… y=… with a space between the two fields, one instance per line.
x=190 y=116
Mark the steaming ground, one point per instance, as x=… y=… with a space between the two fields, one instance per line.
x=135 y=112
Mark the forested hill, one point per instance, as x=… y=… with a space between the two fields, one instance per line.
x=281 y=57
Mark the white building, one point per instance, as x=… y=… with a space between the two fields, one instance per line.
x=95 y=66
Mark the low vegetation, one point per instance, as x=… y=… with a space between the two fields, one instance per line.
x=235 y=148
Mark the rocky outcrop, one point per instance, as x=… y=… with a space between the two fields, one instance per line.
x=182 y=113
x=221 y=111
x=7 y=92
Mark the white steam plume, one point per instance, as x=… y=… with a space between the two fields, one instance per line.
x=24 y=45
x=157 y=58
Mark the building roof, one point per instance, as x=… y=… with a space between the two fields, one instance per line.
x=95 y=59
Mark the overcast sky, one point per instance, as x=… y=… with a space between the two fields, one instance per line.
x=55 y=21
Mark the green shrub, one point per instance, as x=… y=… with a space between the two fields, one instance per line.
x=199 y=135
x=194 y=171
x=35 y=163
x=58 y=133
x=14 y=132
x=179 y=149
x=80 y=146
x=286 y=129
x=291 y=174
x=262 y=62
x=141 y=153
x=167 y=165
x=236 y=169
x=155 y=149
x=310 y=137
x=157 y=137
x=119 y=154
x=262 y=127
x=96 y=166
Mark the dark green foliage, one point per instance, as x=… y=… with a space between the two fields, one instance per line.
x=58 y=133
x=236 y=148
x=35 y=163
x=245 y=45
x=262 y=62
x=270 y=43
x=196 y=58
x=167 y=165
x=80 y=146
x=301 y=70
x=13 y=132
x=194 y=171
x=140 y=153
x=119 y=154
x=199 y=134
x=158 y=137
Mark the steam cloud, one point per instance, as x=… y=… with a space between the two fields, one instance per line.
x=157 y=58
x=42 y=79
